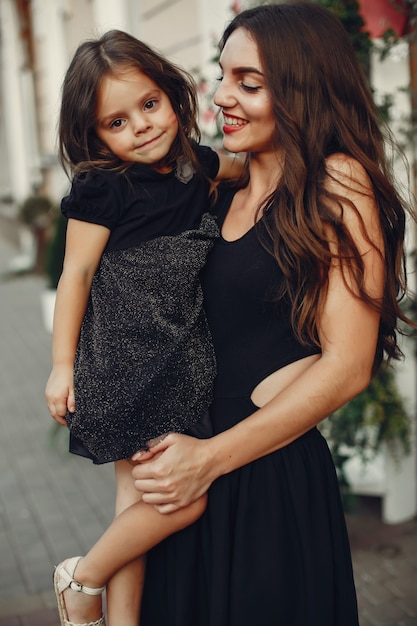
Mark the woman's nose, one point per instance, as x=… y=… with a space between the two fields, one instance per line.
x=223 y=96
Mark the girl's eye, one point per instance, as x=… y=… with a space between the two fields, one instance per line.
x=150 y=104
x=116 y=124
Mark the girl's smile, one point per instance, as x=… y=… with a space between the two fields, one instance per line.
x=135 y=118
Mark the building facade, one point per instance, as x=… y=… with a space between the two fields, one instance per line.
x=37 y=41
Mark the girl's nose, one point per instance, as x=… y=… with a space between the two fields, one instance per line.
x=140 y=124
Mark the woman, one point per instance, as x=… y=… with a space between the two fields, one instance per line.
x=301 y=296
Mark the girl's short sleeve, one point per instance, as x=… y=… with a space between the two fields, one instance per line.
x=209 y=160
x=93 y=198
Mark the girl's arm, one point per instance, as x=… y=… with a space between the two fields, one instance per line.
x=348 y=330
x=85 y=243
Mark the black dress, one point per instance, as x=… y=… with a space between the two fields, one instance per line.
x=145 y=363
x=272 y=547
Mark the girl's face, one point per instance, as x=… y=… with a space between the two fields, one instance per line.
x=135 y=118
x=249 y=123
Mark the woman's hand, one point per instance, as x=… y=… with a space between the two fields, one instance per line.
x=177 y=473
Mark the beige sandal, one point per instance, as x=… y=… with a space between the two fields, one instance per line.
x=64 y=578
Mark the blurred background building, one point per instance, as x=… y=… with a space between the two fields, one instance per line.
x=39 y=37
x=37 y=41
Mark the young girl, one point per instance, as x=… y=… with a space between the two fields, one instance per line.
x=132 y=355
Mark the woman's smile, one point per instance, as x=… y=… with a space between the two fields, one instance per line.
x=232 y=123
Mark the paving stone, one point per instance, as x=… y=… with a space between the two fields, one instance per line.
x=402 y=566
x=364 y=605
x=386 y=614
x=409 y=603
x=46 y=617
x=403 y=586
x=25 y=604
x=377 y=594
x=10 y=621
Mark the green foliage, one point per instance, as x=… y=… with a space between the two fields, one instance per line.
x=375 y=417
x=37 y=211
x=55 y=252
x=348 y=13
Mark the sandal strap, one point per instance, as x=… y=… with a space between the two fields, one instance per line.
x=90 y=591
x=99 y=622
x=66 y=579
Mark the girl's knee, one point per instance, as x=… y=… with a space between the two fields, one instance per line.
x=126 y=494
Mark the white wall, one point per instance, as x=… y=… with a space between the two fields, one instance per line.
x=395 y=478
x=19 y=133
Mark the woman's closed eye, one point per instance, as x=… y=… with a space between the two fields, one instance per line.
x=244 y=86
x=250 y=88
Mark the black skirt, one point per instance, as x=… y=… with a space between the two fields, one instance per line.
x=271 y=549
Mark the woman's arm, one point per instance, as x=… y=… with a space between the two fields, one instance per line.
x=230 y=166
x=85 y=243
x=348 y=330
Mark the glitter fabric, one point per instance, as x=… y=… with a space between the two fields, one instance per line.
x=145 y=363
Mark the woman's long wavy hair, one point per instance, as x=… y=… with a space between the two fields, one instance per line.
x=80 y=149
x=323 y=105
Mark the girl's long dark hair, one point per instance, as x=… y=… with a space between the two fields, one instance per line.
x=323 y=106
x=80 y=149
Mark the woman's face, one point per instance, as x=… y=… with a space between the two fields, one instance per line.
x=245 y=101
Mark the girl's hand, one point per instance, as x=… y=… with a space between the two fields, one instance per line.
x=178 y=476
x=60 y=393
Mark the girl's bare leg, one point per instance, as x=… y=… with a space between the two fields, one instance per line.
x=134 y=531
x=124 y=594
x=124 y=589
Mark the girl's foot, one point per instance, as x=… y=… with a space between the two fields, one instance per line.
x=78 y=604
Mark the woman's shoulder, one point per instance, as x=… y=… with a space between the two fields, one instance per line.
x=344 y=172
x=349 y=181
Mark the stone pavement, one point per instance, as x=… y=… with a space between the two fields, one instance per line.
x=53 y=505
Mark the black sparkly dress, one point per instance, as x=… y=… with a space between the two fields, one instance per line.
x=145 y=363
x=271 y=548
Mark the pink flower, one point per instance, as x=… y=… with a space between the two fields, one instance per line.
x=209 y=115
x=203 y=87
